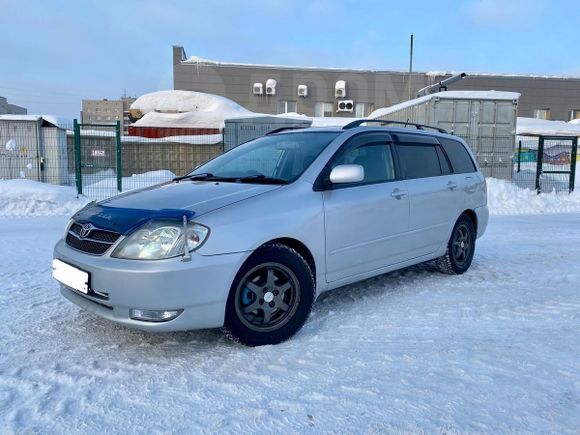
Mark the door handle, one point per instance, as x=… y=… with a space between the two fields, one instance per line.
x=397 y=193
x=451 y=185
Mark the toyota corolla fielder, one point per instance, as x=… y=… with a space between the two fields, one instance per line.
x=250 y=239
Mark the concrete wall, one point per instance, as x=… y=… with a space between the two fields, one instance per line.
x=375 y=88
x=11 y=109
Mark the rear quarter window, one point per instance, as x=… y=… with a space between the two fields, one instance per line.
x=460 y=159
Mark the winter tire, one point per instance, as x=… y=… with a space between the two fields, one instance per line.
x=270 y=298
x=460 y=248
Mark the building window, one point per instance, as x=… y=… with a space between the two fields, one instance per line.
x=542 y=113
x=323 y=109
x=574 y=114
x=363 y=109
x=286 y=106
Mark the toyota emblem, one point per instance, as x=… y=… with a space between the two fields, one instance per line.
x=86 y=230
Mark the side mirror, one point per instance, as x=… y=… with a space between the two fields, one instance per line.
x=343 y=174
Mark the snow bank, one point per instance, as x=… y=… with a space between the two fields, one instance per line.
x=533 y=126
x=505 y=198
x=575 y=121
x=31 y=198
x=185 y=108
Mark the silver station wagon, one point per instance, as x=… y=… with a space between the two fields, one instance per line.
x=248 y=240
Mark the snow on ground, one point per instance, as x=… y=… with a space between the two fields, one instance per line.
x=492 y=351
x=31 y=198
x=506 y=198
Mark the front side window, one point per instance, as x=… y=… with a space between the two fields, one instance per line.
x=281 y=156
x=459 y=157
x=374 y=156
x=419 y=160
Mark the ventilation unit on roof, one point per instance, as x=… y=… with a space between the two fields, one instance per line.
x=345 y=106
x=302 y=90
x=271 y=87
x=340 y=89
x=258 y=89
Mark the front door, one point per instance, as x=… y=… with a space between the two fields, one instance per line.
x=365 y=222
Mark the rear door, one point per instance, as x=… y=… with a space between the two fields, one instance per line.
x=469 y=181
x=365 y=222
x=433 y=193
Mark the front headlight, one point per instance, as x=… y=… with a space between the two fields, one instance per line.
x=161 y=239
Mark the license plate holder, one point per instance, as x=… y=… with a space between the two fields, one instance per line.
x=70 y=276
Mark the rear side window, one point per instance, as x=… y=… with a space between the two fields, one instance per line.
x=458 y=156
x=418 y=160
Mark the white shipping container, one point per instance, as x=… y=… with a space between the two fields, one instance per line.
x=486 y=120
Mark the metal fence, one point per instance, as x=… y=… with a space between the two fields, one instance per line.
x=101 y=162
x=96 y=159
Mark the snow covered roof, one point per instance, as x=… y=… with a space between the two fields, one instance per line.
x=185 y=108
x=508 y=75
x=57 y=121
x=467 y=95
x=197 y=60
x=537 y=127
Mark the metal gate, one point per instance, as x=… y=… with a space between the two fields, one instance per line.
x=556 y=163
x=98 y=159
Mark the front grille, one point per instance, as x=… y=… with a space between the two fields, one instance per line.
x=96 y=242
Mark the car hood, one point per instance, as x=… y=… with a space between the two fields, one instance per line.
x=167 y=200
x=199 y=197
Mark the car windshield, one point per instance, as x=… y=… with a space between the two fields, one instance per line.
x=276 y=159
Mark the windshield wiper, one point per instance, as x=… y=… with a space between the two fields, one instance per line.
x=256 y=178
x=261 y=178
x=193 y=177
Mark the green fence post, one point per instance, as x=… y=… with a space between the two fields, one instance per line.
x=540 y=160
x=77 y=147
x=519 y=155
x=119 y=163
x=573 y=164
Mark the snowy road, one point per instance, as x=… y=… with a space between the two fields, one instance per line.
x=495 y=350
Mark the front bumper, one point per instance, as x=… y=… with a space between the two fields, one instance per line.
x=199 y=287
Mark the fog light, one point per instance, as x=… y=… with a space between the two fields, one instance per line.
x=154 y=315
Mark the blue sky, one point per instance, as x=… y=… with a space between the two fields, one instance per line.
x=54 y=53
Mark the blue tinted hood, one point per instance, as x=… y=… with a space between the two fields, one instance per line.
x=125 y=220
x=173 y=200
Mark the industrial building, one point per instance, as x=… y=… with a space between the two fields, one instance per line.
x=107 y=112
x=329 y=92
x=11 y=109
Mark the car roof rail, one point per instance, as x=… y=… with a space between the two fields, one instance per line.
x=278 y=130
x=358 y=122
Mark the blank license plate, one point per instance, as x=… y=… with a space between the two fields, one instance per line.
x=70 y=276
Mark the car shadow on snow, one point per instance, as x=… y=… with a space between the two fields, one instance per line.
x=100 y=332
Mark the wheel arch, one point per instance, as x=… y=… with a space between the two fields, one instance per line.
x=471 y=215
x=299 y=247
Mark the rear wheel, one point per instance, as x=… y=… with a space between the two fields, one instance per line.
x=460 y=248
x=271 y=296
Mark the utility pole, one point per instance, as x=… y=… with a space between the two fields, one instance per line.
x=411 y=69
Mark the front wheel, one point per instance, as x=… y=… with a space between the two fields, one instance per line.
x=460 y=248
x=271 y=296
